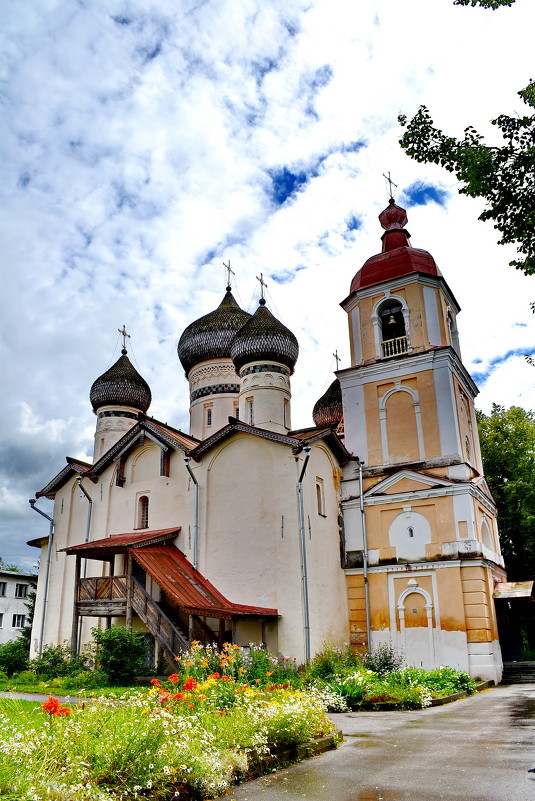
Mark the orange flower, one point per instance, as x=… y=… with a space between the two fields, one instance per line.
x=173 y=678
x=177 y=697
x=191 y=706
x=156 y=682
x=190 y=684
x=214 y=676
x=225 y=678
x=53 y=707
x=202 y=697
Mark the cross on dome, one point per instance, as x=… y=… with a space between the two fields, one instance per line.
x=125 y=336
x=390 y=185
x=262 y=286
x=229 y=273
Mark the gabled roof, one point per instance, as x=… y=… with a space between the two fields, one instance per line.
x=432 y=482
x=73 y=467
x=294 y=439
x=121 y=543
x=157 y=431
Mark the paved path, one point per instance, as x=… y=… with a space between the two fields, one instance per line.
x=475 y=749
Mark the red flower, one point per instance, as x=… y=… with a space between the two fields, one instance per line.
x=173 y=678
x=225 y=678
x=177 y=697
x=190 y=684
x=215 y=676
x=191 y=706
x=156 y=682
x=53 y=707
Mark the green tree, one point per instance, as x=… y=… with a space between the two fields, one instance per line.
x=4 y=566
x=503 y=175
x=507 y=439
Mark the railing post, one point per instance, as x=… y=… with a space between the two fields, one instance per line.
x=129 y=588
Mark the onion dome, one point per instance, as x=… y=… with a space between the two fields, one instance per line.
x=398 y=258
x=328 y=409
x=121 y=385
x=264 y=338
x=210 y=336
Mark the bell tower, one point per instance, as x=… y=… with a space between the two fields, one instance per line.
x=422 y=552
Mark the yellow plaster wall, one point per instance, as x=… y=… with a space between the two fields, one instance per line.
x=450 y=599
x=480 y=619
x=438 y=512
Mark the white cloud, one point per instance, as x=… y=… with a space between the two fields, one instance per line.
x=138 y=142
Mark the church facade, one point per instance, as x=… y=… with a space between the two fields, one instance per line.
x=375 y=525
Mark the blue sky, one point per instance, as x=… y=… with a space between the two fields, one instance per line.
x=146 y=143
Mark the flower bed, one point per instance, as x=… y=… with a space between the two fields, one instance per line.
x=183 y=738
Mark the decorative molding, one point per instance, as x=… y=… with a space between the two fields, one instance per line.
x=264 y=368
x=214 y=389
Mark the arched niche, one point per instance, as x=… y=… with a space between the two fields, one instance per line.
x=409 y=533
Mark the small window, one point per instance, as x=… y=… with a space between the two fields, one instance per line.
x=1 y=620
x=320 y=497
x=21 y=590
x=237 y=411
x=3 y=586
x=208 y=417
x=250 y=412
x=410 y=531
x=143 y=521
x=286 y=412
x=19 y=621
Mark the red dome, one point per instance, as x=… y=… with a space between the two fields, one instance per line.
x=398 y=258
x=394 y=264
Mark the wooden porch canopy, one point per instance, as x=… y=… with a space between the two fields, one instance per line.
x=174 y=574
x=509 y=590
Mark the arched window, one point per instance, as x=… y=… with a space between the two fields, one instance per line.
x=320 y=498
x=392 y=323
x=143 y=512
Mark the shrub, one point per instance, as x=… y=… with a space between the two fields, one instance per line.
x=384 y=658
x=120 y=653
x=333 y=660
x=13 y=657
x=57 y=660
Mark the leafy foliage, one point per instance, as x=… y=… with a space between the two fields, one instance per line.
x=384 y=658
x=507 y=439
x=13 y=656
x=484 y=3
x=57 y=660
x=503 y=176
x=120 y=653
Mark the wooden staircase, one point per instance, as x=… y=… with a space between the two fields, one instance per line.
x=170 y=638
x=518 y=673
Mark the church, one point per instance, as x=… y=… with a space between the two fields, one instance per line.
x=376 y=525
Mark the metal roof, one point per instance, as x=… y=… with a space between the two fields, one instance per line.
x=187 y=587
x=120 y=543
x=513 y=589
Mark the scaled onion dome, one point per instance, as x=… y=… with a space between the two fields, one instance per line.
x=121 y=385
x=328 y=409
x=264 y=338
x=210 y=336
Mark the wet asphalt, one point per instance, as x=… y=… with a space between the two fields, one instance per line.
x=475 y=749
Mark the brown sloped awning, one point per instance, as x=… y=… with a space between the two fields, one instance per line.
x=513 y=589
x=121 y=543
x=187 y=587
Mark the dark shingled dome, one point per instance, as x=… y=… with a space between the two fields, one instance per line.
x=264 y=338
x=121 y=385
x=210 y=337
x=328 y=409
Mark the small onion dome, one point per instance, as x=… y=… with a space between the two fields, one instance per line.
x=328 y=409
x=210 y=336
x=398 y=258
x=264 y=338
x=121 y=385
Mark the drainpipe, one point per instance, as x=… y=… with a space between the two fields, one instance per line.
x=32 y=502
x=304 y=576
x=365 y=558
x=79 y=480
x=187 y=460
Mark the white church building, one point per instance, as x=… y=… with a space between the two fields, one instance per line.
x=374 y=525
